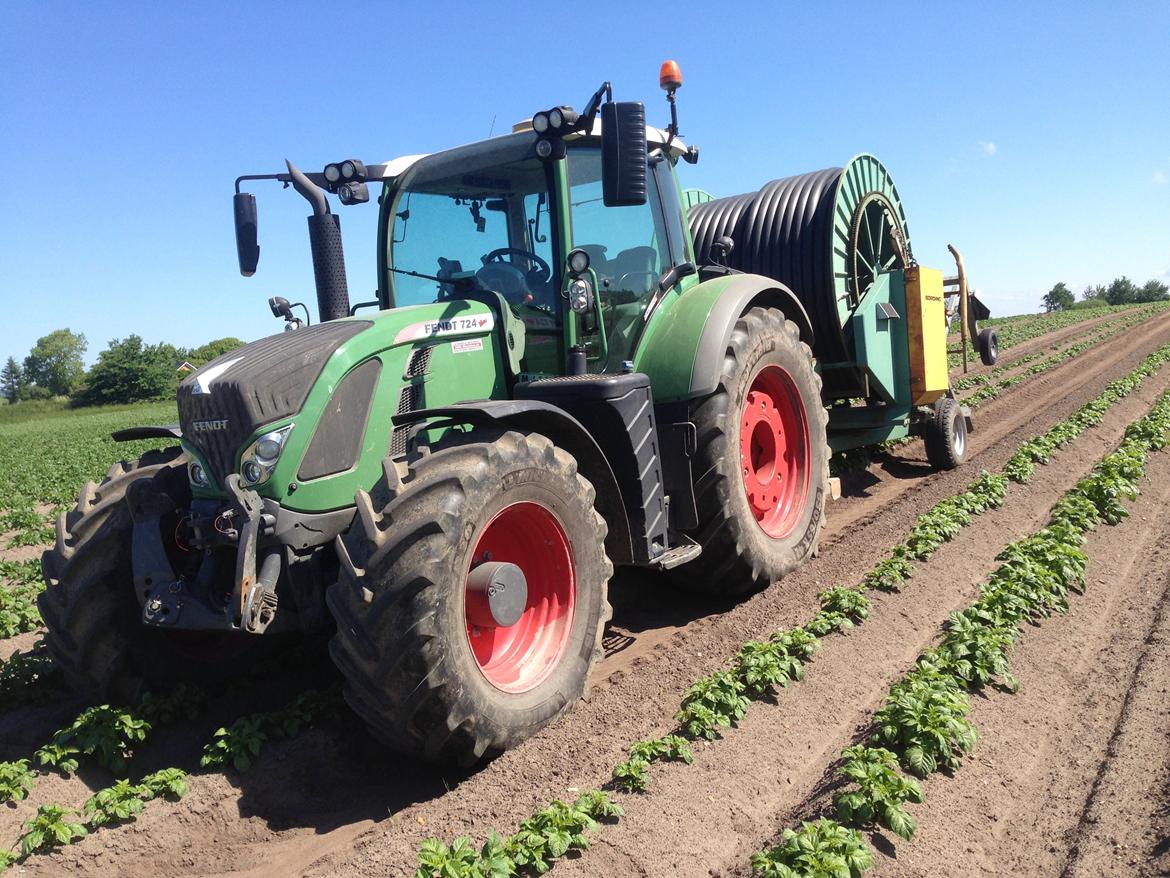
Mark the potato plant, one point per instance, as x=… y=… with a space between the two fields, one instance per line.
x=107 y=734
x=16 y=780
x=543 y=838
x=240 y=743
x=52 y=826
x=818 y=849
x=878 y=793
x=28 y=677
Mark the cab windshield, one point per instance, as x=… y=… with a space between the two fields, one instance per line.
x=474 y=216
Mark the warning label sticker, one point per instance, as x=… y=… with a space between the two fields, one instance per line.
x=466 y=345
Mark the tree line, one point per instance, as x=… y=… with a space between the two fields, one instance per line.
x=1122 y=291
x=128 y=370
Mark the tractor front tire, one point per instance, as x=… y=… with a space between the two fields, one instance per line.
x=94 y=623
x=761 y=466
x=431 y=676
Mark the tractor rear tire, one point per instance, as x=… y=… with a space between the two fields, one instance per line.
x=761 y=466
x=94 y=620
x=945 y=435
x=430 y=683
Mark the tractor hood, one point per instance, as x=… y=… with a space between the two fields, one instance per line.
x=344 y=380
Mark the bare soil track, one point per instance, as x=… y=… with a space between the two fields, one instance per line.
x=331 y=803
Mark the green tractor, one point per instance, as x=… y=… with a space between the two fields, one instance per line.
x=571 y=365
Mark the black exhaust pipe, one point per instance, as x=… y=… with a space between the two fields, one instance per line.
x=328 y=255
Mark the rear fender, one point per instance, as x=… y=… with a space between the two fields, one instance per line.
x=566 y=432
x=701 y=321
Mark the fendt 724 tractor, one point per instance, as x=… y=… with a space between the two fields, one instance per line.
x=566 y=369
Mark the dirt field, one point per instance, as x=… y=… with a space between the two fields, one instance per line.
x=1071 y=776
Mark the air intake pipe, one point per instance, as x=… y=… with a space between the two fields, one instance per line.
x=328 y=255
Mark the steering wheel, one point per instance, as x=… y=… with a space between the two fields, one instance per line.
x=538 y=271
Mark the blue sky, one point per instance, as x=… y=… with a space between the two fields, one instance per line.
x=1035 y=136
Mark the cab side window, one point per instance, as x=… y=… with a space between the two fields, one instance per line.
x=628 y=248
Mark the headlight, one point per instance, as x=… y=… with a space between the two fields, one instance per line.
x=198 y=474
x=540 y=123
x=556 y=118
x=268 y=446
x=580 y=296
x=260 y=458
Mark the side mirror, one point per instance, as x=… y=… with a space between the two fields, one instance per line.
x=623 y=153
x=247 y=249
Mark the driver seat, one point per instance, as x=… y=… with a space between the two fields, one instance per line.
x=636 y=271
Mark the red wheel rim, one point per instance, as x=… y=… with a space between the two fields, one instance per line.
x=774 y=451
x=519 y=657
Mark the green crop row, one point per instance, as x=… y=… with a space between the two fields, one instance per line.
x=28 y=677
x=721 y=699
x=107 y=736
x=53 y=825
x=45 y=460
x=1095 y=336
x=924 y=727
x=103 y=735
x=240 y=743
x=994 y=389
x=1013 y=331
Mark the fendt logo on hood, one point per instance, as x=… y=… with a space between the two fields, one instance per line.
x=209 y=426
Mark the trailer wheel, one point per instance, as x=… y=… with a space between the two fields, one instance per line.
x=95 y=632
x=945 y=435
x=988 y=346
x=472 y=597
x=762 y=463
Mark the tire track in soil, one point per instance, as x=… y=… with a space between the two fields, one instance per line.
x=255 y=822
x=1065 y=775
x=578 y=751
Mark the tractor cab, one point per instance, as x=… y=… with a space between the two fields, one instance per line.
x=495 y=217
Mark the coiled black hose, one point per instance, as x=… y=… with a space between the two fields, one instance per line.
x=785 y=232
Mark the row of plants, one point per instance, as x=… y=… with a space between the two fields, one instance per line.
x=923 y=726
x=1014 y=331
x=18 y=596
x=240 y=743
x=1096 y=334
x=107 y=736
x=993 y=389
x=53 y=825
x=45 y=460
x=101 y=735
x=721 y=699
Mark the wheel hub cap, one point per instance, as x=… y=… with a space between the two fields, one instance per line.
x=774 y=452
x=519 y=597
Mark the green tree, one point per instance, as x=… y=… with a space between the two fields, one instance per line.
x=1153 y=291
x=54 y=364
x=1094 y=294
x=1122 y=291
x=1059 y=298
x=129 y=371
x=208 y=352
x=11 y=380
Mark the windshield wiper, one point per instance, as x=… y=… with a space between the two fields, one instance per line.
x=442 y=280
